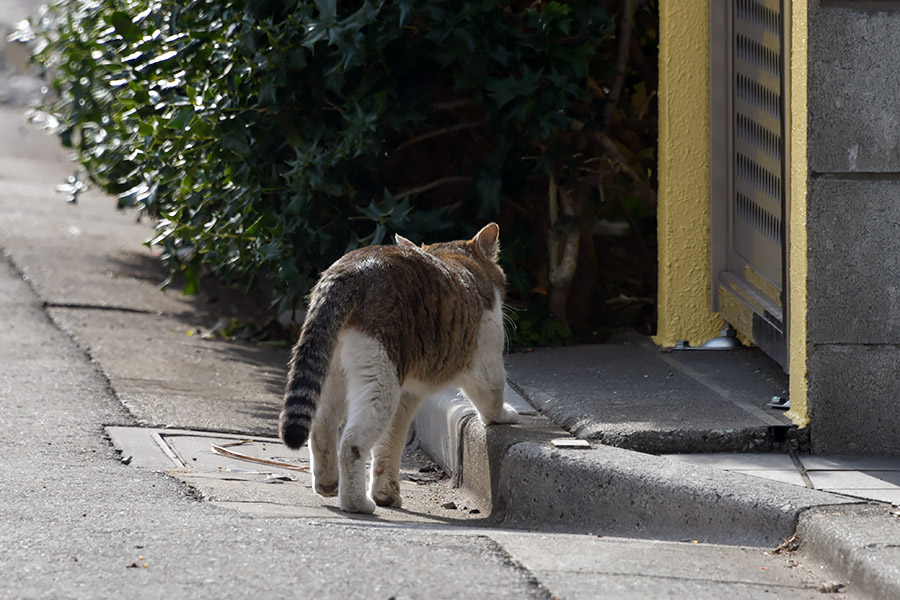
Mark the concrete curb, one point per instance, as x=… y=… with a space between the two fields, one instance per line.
x=526 y=481
x=860 y=542
x=517 y=473
x=441 y=422
x=612 y=491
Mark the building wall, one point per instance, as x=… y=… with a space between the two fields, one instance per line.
x=844 y=211
x=853 y=227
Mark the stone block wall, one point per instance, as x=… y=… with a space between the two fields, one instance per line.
x=853 y=227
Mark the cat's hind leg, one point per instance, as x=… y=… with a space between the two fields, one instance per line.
x=388 y=452
x=323 y=436
x=373 y=393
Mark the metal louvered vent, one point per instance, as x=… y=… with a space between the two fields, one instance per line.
x=748 y=173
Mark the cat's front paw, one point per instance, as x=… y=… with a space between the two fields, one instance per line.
x=508 y=416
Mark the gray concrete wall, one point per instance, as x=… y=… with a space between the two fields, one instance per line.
x=854 y=227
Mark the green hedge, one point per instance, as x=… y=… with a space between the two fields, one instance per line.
x=268 y=137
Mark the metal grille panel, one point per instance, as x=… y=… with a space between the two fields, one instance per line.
x=748 y=177
x=758 y=142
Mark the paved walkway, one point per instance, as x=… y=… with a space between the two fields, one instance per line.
x=874 y=478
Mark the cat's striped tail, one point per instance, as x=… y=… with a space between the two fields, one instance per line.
x=332 y=300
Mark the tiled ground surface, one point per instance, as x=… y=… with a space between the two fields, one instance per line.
x=868 y=477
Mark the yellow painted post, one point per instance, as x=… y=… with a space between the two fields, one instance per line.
x=683 y=212
x=797 y=257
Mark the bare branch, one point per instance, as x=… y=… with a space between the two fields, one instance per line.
x=451 y=104
x=616 y=158
x=621 y=60
x=335 y=106
x=436 y=183
x=263 y=461
x=646 y=106
x=438 y=132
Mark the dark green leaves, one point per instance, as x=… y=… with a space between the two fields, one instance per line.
x=123 y=25
x=269 y=136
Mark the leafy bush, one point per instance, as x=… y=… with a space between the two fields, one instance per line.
x=270 y=136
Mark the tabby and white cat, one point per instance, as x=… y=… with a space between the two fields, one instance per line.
x=386 y=327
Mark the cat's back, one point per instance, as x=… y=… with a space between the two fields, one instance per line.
x=408 y=273
x=424 y=307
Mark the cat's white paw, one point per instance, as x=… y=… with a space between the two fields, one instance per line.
x=508 y=416
x=358 y=505
x=326 y=490
x=386 y=492
x=388 y=499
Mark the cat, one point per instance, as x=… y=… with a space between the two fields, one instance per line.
x=387 y=326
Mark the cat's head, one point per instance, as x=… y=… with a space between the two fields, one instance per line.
x=484 y=248
x=486 y=243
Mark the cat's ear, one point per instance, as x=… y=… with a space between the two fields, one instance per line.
x=402 y=241
x=487 y=242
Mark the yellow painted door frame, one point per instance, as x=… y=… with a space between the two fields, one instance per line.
x=684 y=186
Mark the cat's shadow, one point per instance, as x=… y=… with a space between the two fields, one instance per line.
x=416 y=519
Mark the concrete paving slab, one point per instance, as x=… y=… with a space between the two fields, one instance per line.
x=736 y=462
x=181 y=379
x=781 y=475
x=887 y=496
x=850 y=463
x=858 y=480
x=86 y=253
x=628 y=394
x=775 y=467
x=840 y=475
x=270 y=490
x=589 y=566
